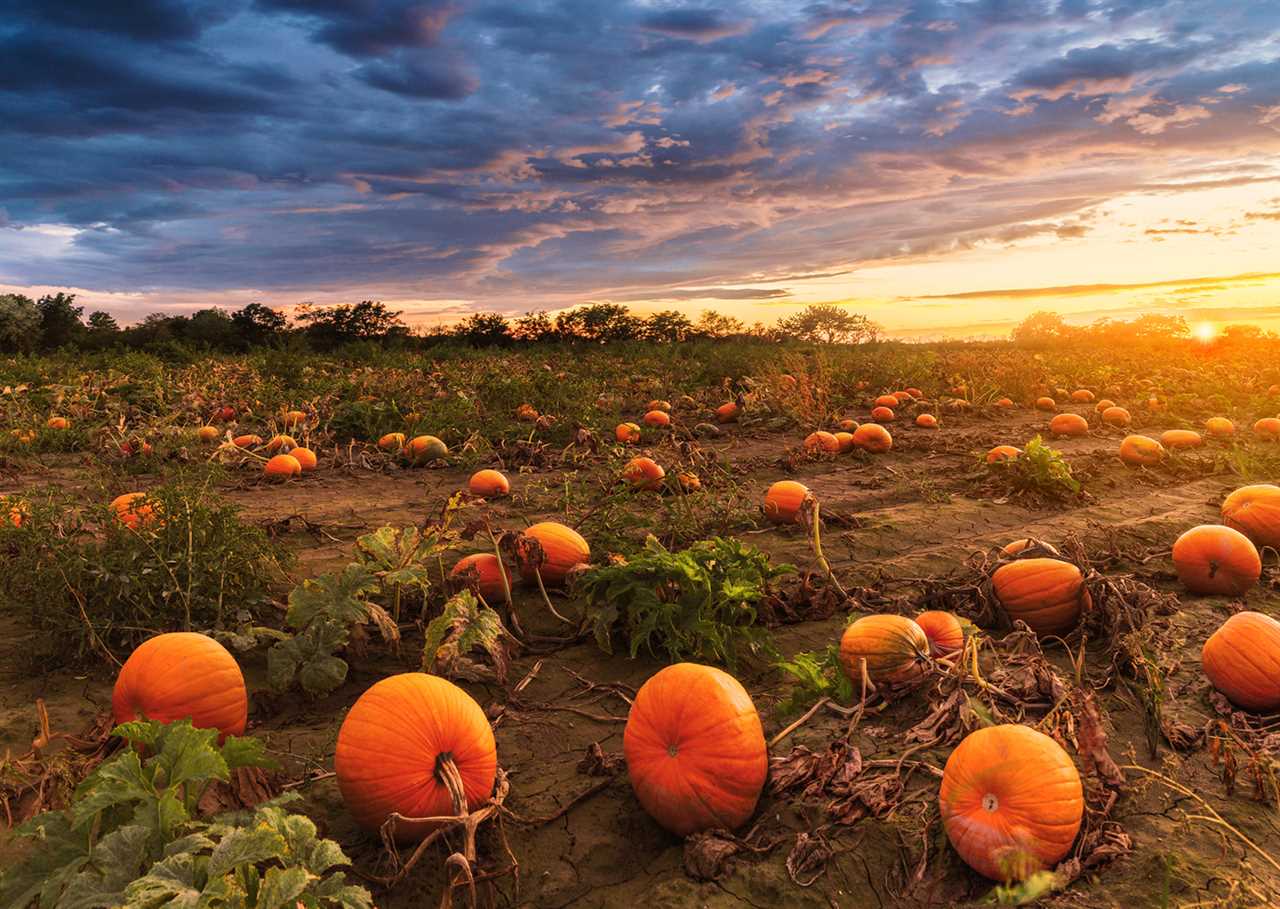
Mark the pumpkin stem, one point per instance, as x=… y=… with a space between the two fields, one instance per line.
x=447 y=773
x=537 y=573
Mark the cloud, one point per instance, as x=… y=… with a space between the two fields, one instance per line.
x=420 y=75
x=363 y=29
x=1078 y=290
x=704 y=24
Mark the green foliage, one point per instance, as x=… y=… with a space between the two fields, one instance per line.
x=696 y=604
x=817 y=674
x=133 y=837
x=465 y=625
x=1039 y=470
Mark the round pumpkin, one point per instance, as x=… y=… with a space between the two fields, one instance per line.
x=1104 y=405
x=894 y=648
x=1011 y=801
x=422 y=449
x=1220 y=427
x=282 y=467
x=657 y=418
x=134 y=510
x=1242 y=660
x=1116 y=416
x=883 y=414
x=1003 y=453
x=821 y=441
x=1181 y=439
x=783 y=500
x=644 y=473
x=1069 y=424
x=392 y=441
x=488 y=483
x=873 y=437
x=1005 y=403
x=659 y=404
x=1141 y=451
x=208 y=434
x=182 y=676
x=1213 y=559
x=889 y=401
x=1255 y=512
x=393 y=747
x=1018 y=546
x=281 y=443
x=695 y=749
x=847 y=425
x=247 y=441
x=627 y=433
x=306 y=459
x=1048 y=594
x=1082 y=396
x=689 y=482
x=563 y=548
x=1046 y=403
x=58 y=423
x=915 y=392
x=845 y=441
x=944 y=631
x=927 y=421
x=1268 y=429
x=294 y=419
x=483 y=568
x=527 y=413
x=727 y=412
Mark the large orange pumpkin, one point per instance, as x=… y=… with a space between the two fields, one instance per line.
x=182 y=676
x=488 y=483
x=1220 y=427
x=1141 y=451
x=1268 y=428
x=644 y=473
x=783 y=500
x=563 y=548
x=883 y=414
x=1181 y=438
x=887 y=401
x=1082 y=396
x=483 y=568
x=1255 y=512
x=1214 y=559
x=821 y=441
x=894 y=648
x=873 y=437
x=1011 y=801
x=695 y=749
x=1069 y=424
x=422 y=449
x=1242 y=660
x=1047 y=594
x=944 y=631
x=727 y=412
x=1116 y=416
x=395 y=746
x=282 y=467
x=656 y=418
x=627 y=433
x=306 y=459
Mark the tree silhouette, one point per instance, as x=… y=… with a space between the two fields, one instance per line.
x=828 y=323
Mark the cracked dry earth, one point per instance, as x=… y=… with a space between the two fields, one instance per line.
x=897 y=525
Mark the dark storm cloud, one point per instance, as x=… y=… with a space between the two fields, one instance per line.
x=547 y=149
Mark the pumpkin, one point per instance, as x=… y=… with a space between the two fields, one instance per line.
x=845 y=440
x=1267 y=428
x=656 y=418
x=281 y=443
x=1003 y=453
x=1011 y=801
x=488 y=483
x=224 y=415
x=306 y=459
x=58 y=423
x=644 y=473
x=1046 y=403
x=873 y=437
x=484 y=570
x=527 y=413
x=247 y=441
x=849 y=426
x=1180 y=438
x=1116 y=416
x=1220 y=427
x=627 y=433
x=659 y=405
x=883 y=415
x=944 y=631
x=18 y=510
x=927 y=421
x=783 y=500
x=1018 y=546
x=1213 y=559
x=422 y=449
x=1005 y=403
x=1104 y=405
x=134 y=510
x=135 y=447
x=1141 y=451
x=563 y=548
x=1048 y=594
x=890 y=401
x=392 y=441
x=1082 y=396
x=821 y=441
x=1069 y=424
x=915 y=392
x=894 y=648
x=727 y=412
x=182 y=676
x=1255 y=512
x=416 y=745
x=208 y=434
x=1242 y=660
x=695 y=749
x=282 y=467
x=294 y=419
x=689 y=482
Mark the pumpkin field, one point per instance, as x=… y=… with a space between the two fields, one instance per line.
x=720 y=623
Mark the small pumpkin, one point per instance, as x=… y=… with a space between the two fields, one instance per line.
x=306 y=459
x=727 y=412
x=1255 y=512
x=821 y=441
x=873 y=437
x=57 y=423
x=247 y=441
x=883 y=414
x=224 y=414
x=1103 y=406
x=422 y=449
x=845 y=440
x=847 y=425
x=915 y=392
x=894 y=648
x=1178 y=439
x=208 y=434
x=1069 y=424
x=689 y=482
x=927 y=421
x=1268 y=429
x=135 y=511
x=944 y=631
x=1141 y=451
x=1046 y=403
x=484 y=570
x=563 y=548
x=1082 y=396
x=282 y=467
x=627 y=433
x=281 y=443
x=1011 y=801
x=889 y=401
x=1005 y=403
x=783 y=500
x=417 y=745
x=659 y=404
x=656 y=418
x=1219 y=427
x=392 y=441
x=294 y=419
x=1213 y=559
x=644 y=473
x=1116 y=416
x=695 y=749
x=1242 y=660
x=527 y=413
x=1048 y=594
x=1003 y=453
x=488 y=484
x=182 y=675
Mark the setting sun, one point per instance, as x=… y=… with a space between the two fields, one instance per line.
x=1205 y=332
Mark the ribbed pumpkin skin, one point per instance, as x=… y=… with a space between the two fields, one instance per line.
x=1213 y=559
x=488 y=574
x=1242 y=660
x=1255 y=512
x=182 y=675
x=1069 y=424
x=389 y=743
x=782 y=501
x=1116 y=416
x=1046 y=403
x=873 y=437
x=1047 y=594
x=695 y=749
x=944 y=631
x=488 y=483
x=563 y=548
x=892 y=645
x=883 y=414
x=1011 y=801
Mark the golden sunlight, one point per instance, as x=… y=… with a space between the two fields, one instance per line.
x=1205 y=332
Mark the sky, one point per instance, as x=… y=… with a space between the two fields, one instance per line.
x=945 y=168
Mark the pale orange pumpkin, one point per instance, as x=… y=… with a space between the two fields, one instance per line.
x=1104 y=405
x=845 y=440
x=484 y=570
x=208 y=434
x=1011 y=801
x=727 y=412
x=821 y=441
x=1003 y=453
x=644 y=473
x=1255 y=512
x=889 y=401
x=883 y=414
x=563 y=549
x=1069 y=424
x=392 y=441
x=1219 y=427
x=247 y=441
x=695 y=749
x=1082 y=396
x=306 y=459
x=927 y=421
x=656 y=418
x=944 y=631
x=294 y=419
x=1048 y=594
x=783 y=500
x=282 y=467
x=1116 y=416
x=1268 y=429
x=1141 y=451
x=488 y=483
x=1180 y=439
x=411 y=745
x=182 y=676
x=873 y=437
x=1242 y=660
x=281 y=443
x=627 y=433
x=1046 y=403
x=1005 y=403
x=1213 y=559
x=894 y=648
